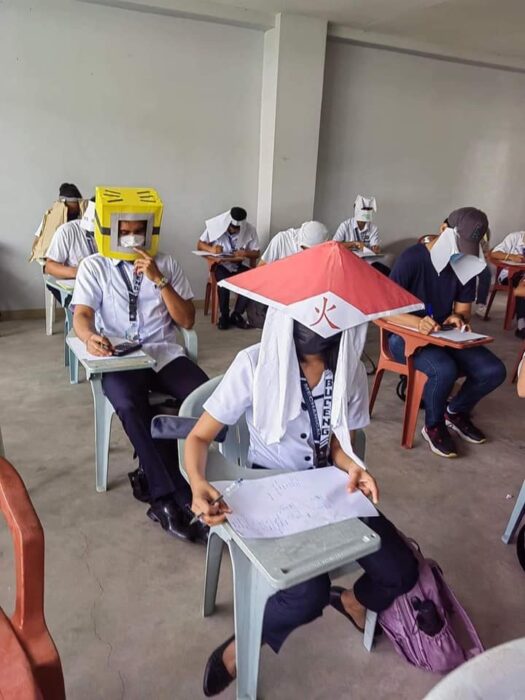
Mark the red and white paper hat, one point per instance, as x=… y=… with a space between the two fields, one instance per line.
x=326 y=288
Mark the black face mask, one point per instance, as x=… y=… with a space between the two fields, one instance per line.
x=308 y=342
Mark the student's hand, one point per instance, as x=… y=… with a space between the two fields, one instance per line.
x=363 y=481
x=355 y=245
x=216 y=249
x=376 y=249
x=455 y=320
x=147 y=265
x=427 y=325
x=203 y=494
x=99 y=345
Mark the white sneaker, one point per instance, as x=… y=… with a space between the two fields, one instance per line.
x=481 y=310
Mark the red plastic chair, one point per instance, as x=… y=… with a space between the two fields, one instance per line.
x=415 y=385
x=510 y=310
x=30 y=667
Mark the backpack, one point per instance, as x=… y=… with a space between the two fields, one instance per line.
x=256 y=313
x=428 y=626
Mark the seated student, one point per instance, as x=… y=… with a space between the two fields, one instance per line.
x=72 y=243
x=230 y=233
x=442 y=274
x=293 y=240
x=130 y=291
x=359 y=231
x=69 y=206
x=271 y=383
x=512 y=249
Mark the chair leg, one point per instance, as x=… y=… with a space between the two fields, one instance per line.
x=375 y=389
x=213 y=569
x=510 y=309
x=50 y=311
x=251 y=591
x=103 y=415
x=370 y=628
x=214 y=304
x=207 y=299
x=491 y=301
x=518 y=512
x=415 y=385
x=73 y=368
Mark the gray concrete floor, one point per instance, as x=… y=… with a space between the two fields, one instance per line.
x=123 y=601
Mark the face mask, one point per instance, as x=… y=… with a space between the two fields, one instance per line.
x=363 y=215
x=308 y=342
x=132 y=240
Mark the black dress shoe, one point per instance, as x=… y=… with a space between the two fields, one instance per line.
x=520 y=333
x=139 y=485
x=337 y=603
x=224 y=323
x=216 y=675
x=239 y=321
x=171 y=518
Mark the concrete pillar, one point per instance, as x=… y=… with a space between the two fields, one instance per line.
x=292 y=90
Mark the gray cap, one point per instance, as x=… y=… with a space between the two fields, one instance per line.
x=471 y=224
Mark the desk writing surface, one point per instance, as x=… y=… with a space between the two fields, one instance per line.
x=440 y=338
x=67 y=285
x=111 y=364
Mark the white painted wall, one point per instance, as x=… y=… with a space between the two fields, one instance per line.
x=95 y=95
x=424 y=136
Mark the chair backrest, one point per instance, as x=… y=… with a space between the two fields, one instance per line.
x=26 y=634
x=235 y=446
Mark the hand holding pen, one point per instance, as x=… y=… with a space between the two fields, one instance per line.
x=99 y=345
x=208 y=504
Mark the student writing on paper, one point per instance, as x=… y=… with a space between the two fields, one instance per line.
x=293 y=240
x=128 y=290
x=512 y=249
x=230 y=233
x=72 y=243
x=442 y=274
x=359 y=232
x=302 y=394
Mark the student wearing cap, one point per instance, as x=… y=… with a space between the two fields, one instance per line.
x=360 y=232
x=512 y=249
x=130 y=291
x=230 y=233
x=442 y=274
x=72 y=243
x=293 y=240
x=309 y=356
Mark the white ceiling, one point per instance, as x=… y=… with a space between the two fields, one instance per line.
x=494 y=27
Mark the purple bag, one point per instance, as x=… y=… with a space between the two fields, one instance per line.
x=427 y=625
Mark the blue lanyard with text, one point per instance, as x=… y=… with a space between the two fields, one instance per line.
x=321 y=432
x=133 y=290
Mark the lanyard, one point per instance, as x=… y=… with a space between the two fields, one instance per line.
x=366 y=235
x=321 y=432
x=91 y=242
x=133 y=290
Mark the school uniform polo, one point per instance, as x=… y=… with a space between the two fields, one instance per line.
x=282 y=245
x=71 y=244
x=348 y=231
x=99 y=285
x=512 y=244
x=234 y=397
x=246 y=239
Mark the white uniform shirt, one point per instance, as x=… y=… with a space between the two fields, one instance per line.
x=282 y=245
x=100 y=286
x=70 y=245
x=512 y=244
x=349 y=231
x=246 y=239
x=234 y=397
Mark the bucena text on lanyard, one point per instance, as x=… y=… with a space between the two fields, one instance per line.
x=133 y=287
x=321 y=431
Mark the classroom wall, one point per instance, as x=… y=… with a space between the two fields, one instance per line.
x=96 y=95
x=424 y=136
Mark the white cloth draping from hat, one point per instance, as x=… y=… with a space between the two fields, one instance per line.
x=218 y=225
x=88 y=219
x=445 y=250
x=277 y=376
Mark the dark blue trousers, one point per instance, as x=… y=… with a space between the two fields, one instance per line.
x=482 y=369
x=128 y=394
x=389 y=573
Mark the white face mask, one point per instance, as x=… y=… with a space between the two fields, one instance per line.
x=132 y=240
x=364 y=215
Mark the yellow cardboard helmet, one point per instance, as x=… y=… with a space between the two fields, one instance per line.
x=116 y=204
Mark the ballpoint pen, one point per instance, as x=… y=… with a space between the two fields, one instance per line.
x=227 y=491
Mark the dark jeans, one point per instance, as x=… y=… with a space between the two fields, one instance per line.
x=484 y=280
x=520 y=301
x=482 y=369
x=389 y=573
x=57 y=296
x=384 y=269
x=222 y=273
x=128 y=393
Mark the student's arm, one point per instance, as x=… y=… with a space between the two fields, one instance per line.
x=209 y=247
x=84 y=325
x=60 y=271
x=460 y=317
x=521 y=379
x=195 y=457
x=182 y=311
x=506 y=257
x=359 y=478
x=424 y=324
x=375 y=241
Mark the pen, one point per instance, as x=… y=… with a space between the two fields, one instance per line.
x=227 y=491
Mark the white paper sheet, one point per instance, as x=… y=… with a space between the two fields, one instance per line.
x=79 y=348
x=204 y=254
x=365 y=253
x=458 y=336
x=285 y=504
